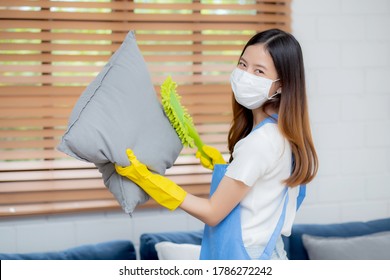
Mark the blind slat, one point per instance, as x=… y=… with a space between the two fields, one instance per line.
x=96 y=69
x=52 y=185
x=118 y=37
x=142 y=18
x=185 y=48
x=157 y=6
x=147 y=26
x=54 y=196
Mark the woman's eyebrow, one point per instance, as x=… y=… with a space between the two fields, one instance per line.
x=242 y=59
x=261 y=66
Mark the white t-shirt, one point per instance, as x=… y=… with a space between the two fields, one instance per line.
x=262 y=160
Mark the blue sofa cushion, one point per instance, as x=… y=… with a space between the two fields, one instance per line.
x=296 y=250
x=148 y=240
x=113 y=250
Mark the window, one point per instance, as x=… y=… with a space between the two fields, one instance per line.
x=50 y=50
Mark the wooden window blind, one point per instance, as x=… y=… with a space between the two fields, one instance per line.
x=51 y=49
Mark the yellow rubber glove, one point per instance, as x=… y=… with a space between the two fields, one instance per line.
x=161 y=189
x=213 y=153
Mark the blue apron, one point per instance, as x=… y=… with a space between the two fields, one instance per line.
x=224 y=241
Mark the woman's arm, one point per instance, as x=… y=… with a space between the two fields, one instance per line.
x=213 y=210
x=165 y=192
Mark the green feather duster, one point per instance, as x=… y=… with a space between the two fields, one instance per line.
x=178 y=116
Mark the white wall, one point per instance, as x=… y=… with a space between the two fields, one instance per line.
x=346 y=45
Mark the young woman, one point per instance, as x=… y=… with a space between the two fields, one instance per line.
x=254 y=198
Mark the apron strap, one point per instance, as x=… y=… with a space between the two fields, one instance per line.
x=301 y=195
x=270 y=247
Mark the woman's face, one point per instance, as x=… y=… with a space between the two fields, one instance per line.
x=256 y=60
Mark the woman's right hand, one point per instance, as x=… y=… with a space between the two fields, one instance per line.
x=212 y=154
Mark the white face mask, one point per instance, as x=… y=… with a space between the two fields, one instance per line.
x=249 y=90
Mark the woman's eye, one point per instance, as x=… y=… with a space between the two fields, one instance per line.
x=241 y=64
x=258 y=71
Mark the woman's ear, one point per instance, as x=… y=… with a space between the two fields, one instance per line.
x=279 y=90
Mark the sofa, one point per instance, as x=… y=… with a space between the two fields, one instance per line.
x=111 y=250
x=352 y=240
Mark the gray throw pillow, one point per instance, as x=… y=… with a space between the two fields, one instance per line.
x=118 y=110
x=374 y=246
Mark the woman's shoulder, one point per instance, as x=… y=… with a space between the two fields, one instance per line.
x=268 y=134
x=265 y=139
